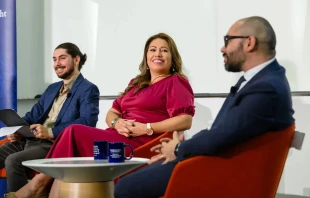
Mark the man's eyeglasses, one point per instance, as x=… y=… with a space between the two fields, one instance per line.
x=227 y=38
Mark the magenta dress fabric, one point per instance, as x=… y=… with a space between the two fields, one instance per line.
x=172 y=96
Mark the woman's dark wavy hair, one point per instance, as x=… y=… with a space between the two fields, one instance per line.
x=143 y=79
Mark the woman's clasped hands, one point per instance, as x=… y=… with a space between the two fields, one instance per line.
x=130 y=128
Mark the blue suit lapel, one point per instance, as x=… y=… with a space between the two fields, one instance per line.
x=223 y=110
x=272 y=66
x=230 y=100
x=49 y=100
x=69 y=98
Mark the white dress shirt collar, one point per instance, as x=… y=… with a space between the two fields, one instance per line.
x=252 y=72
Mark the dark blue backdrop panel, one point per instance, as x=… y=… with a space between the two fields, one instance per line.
x=8 y=84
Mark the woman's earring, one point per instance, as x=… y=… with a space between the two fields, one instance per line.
x=147 y=67
x=173 y=69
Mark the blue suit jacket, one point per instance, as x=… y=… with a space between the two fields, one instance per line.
x=80 y=107
x=264 y=104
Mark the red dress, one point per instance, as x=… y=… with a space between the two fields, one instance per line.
x=167 y=98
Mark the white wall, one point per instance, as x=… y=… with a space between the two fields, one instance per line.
x=113 y=33
x=30 y=45
x=295 y=179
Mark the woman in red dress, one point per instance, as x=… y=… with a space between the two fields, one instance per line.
x=158 y=100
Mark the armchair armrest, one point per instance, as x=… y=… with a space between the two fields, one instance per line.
x=144 y=150
x=200 y=170
x=3 y=141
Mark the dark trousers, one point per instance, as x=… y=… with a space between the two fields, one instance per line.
x=148 y=182
x=12 y=154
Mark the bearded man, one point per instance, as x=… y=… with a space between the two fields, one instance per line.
x=74 y=100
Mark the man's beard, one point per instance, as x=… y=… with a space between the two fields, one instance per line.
x=67 y=73
x=235 y=65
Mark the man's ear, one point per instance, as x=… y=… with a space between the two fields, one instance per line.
x=251 y=44
x=77 y=60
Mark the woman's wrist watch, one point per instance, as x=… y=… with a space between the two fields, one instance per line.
x=113 y=122
x=149 y=129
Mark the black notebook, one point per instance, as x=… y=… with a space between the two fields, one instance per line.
x=14 y=123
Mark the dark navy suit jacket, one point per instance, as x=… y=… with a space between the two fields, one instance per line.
x=80 y=107
x=264 y=104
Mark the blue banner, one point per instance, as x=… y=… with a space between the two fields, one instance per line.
x=8 y=84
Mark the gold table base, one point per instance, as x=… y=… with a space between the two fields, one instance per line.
x=87 y=190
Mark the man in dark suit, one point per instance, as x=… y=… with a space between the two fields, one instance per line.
x=74 y=100
x=260 y=102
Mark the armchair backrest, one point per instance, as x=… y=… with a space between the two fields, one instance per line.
x=251 y=169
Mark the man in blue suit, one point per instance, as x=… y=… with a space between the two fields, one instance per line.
x=74 y=100
x=260 y=102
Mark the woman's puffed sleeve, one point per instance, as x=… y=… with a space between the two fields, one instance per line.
x=117 y=102
x=180 y=97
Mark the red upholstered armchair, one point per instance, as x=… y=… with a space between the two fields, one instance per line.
x=252 y=169
x=2 y=171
